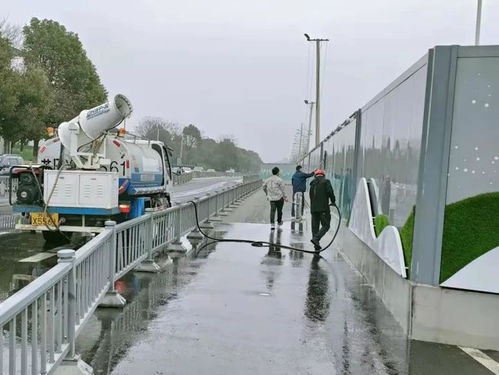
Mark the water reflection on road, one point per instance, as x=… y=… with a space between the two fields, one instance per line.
x=111 y=332
x=15 y=247
x=248 y=310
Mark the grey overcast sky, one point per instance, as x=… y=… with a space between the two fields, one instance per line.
x=243 y=67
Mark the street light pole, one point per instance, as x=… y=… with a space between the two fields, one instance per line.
x=478 y=22
x=317 y=86
x=311 y=104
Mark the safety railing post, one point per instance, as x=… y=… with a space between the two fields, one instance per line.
x=68 y=256
x=149 y=234
x=195 y=235
x=112 y=297
x=149 y=264
x=216 y=206
x=207 y=223
x=178 y=224
x=111 y=226
x=208 y=213
x=176 y=245
x=222 y=202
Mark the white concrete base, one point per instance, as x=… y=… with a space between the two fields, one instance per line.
x=73 y=366
x=153 y=266
x=113 y=299
x=177 y=247
x=215 y=219
x=424 y=312
x=394 y=291
x=207 y=225
x=455 y=317
x=195 y=235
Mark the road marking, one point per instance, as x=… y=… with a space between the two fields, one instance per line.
x=37 y=258
x=482 y=358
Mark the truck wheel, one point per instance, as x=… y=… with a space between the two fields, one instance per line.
x=55 y=237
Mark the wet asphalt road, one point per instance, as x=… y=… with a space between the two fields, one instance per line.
x=237 y=309
x=265 y=311
x=198 y=187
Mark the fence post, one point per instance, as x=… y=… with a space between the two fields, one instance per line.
x=207 y=223
x=68 y=256
x=223 y=210
x=195 y=235
x=176 y=246
x=216 y=197
x=112 y=297
x=72 y=360
x=150 y=264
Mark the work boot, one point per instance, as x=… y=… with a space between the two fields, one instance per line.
x=317 y=245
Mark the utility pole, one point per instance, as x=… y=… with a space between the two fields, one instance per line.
x=317 y=86
x=309 y=134
x=300 y=142
x=478 y=22
x=179 y=161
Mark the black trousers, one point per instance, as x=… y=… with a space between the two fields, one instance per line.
x=321 y=221
x=276 y=205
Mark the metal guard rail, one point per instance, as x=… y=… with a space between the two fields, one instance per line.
x=39 y=324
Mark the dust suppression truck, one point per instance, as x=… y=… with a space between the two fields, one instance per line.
x=90 y=172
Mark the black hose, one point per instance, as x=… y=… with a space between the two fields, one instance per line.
x=265 y=243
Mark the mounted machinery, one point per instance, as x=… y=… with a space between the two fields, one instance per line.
x=90 y=172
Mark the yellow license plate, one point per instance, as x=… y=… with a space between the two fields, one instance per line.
x=40 y=219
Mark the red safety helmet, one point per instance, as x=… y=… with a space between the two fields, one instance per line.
x=320 y=172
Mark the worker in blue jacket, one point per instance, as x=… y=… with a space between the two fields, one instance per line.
x=299 y=181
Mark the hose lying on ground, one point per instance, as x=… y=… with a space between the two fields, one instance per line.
x=264 y=243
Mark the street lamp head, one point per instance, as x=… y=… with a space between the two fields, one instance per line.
x=307 y=36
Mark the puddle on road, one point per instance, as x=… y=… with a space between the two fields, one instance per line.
x=15 y=247
x=15 y=274
x=110 y=332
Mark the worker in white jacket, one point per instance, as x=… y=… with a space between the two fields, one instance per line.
x=274 y=188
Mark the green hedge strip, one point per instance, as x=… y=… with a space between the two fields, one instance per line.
x=471 y=228
x=380 y=222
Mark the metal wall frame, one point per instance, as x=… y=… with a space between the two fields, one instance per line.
x=433 y=165
x=435 y=155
